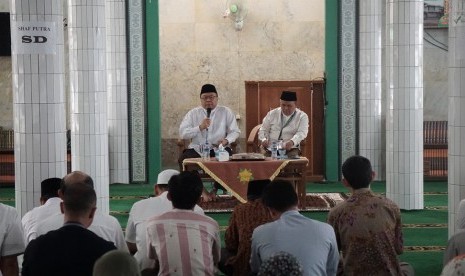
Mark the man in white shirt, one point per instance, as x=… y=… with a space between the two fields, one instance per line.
x=217 y=126
x=208 y=122
x=104 y=225
x=286 y=123
x=49 y=206
x=136 y=229
x=11 y=240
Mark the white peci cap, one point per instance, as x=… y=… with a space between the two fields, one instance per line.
x=164 y=176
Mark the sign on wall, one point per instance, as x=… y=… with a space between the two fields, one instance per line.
x=32 y=37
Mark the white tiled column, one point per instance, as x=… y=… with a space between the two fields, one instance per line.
x=371 y=128
x=456 y=151
x=404 y=110
x=117 y=91
x=38 y=104
x=88 y=101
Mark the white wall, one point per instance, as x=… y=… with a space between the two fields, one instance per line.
x=280 y=40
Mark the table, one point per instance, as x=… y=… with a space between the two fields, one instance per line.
x=235 y=175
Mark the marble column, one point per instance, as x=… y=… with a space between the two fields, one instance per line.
x=117 y=91
x=404 y=110
x=38 y=97
x=456 y=117
x=88 y=101
x=371 y=128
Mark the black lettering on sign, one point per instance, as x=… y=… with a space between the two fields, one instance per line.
x=33 y=39
x=26 y=39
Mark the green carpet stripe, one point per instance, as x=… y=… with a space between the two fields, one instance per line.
x=425 y=225
x=4 y=199
x=424 y=216
x=425 y=236
x=425 y=248
x=127 y=197
x=435 y=199
x=425 y=263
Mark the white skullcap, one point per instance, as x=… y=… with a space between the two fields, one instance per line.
x=164 y=176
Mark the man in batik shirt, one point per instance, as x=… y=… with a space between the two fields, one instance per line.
x=237 y=238
x=368 y=227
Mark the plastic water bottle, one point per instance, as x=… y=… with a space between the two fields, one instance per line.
x=206 y=151
x=274 y=150
x=223 y=155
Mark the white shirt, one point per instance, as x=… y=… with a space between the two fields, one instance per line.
x=136 y=229
x=223 y=125
x=105 y=226
x=11 y=232
x=296 y=130
x=30 y=219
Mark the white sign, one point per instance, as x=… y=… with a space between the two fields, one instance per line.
x=30 y=37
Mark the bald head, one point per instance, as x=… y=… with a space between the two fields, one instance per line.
x=77 y=178
x=79 y=198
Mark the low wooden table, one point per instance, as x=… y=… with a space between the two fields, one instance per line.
x=235 y=175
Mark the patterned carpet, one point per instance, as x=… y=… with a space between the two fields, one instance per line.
x=314 y=202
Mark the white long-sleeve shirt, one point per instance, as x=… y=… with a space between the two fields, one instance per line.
x=104 y=225
x=35 y=216
x=223 y=126
x=296 y=130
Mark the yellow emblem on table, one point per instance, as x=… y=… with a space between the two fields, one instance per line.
x=245 y=175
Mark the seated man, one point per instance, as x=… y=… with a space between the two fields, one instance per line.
x=116 y=263
x=312 y=242
x=456 y=243
x=11 y=240
x=49 y=205
x=103 y=225
x=72 y=249
x=182 y=241
x=208 y=122
x=136 y=229
x=456 y=266
x=244 y=219
x=286 y=123
x=368 y=226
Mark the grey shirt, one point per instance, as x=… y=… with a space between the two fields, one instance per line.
x=312 y=242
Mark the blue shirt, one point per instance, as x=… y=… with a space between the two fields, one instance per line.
x=312 y=242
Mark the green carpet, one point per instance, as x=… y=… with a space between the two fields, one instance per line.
x=425 y=231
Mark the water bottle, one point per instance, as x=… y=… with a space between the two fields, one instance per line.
x=274 y=150
x=206 y=151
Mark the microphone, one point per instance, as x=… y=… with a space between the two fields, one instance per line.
x=209 y=110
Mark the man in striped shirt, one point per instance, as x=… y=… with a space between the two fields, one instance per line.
x=181 y=241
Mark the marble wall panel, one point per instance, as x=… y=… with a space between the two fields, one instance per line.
x=280 y=40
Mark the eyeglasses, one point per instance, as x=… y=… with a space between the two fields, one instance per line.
x=206 y=98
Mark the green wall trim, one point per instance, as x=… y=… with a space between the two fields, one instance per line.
x=332 y=162
x=153 y=89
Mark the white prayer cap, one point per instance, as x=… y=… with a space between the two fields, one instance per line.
x=164 y=176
